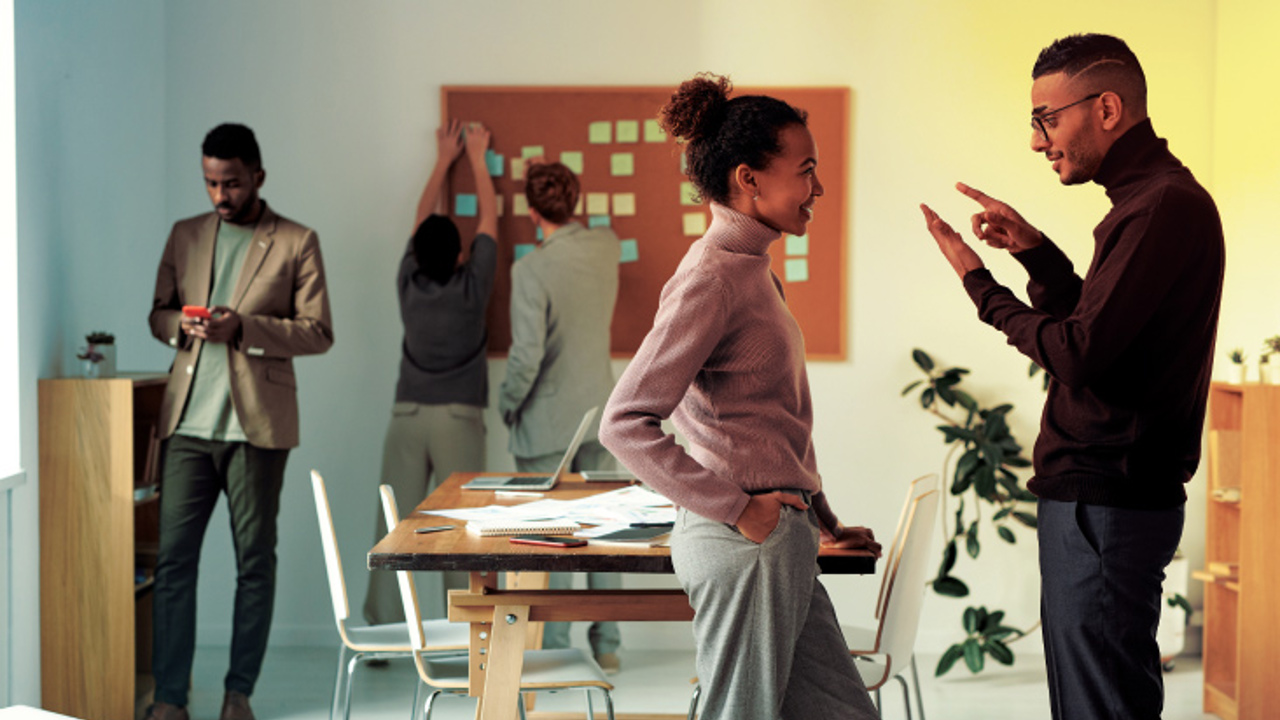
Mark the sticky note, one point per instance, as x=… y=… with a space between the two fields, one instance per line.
x=577 y=207
x=532 y=151
x=572 y=160
x=630 y=251
x=598 y=221
x=600 y=132
x=537 y=233
x=628 y=131
x=500 y=198
x=624 y=204
x=653 y=132
x=464 y=205
x=622 y=164
x=695 y=224
x=524 y=249
x=495 y=162
x=688 y=194
x=517 y=168
x=597 y=203
x=519 y=205
x=798 y=245
x=796 y=269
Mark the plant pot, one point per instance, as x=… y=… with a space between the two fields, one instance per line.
x=107 y=366
x=1269 y=373
x=1240 y=373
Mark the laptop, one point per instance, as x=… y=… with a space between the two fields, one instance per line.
x=537 y=482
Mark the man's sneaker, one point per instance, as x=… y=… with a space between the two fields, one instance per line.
x=609 y=663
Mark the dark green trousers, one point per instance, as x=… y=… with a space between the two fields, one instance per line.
x=196 y=472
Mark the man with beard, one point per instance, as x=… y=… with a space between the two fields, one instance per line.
x=230 y=412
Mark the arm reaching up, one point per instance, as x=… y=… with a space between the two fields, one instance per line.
x=448 y=148
x=477 y=143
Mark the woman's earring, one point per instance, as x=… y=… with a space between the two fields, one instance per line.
x=755 y=197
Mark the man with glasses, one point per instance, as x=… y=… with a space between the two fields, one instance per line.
x=1128 y=348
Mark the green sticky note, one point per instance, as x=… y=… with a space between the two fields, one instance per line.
x=688 y=194
x=495 y=162
x=524 y=249
x=796 y=270
x=464 y=205
x=531 y=151
x=797 y=245
x=600 y=132
x=572 y=159
x=628 y=131
x=630 y=251
x=653 y=131
x=598 y=221
x=622 y=164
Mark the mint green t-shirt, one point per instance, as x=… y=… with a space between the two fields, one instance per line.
x=209 y=414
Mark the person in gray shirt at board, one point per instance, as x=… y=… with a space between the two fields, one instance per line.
x=437 y=422
x=562 y=298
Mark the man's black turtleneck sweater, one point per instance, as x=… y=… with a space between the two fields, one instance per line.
x=1129 y=348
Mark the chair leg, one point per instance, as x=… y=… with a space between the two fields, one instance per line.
x=906 y=695
x=591 y=711
x=351 y=671
x=520 y=706
x=608 y=705
x=879 y=706
x=431 y=699
x=693 y=702
x=417 y=700
x=915 y=679
x=337 y=682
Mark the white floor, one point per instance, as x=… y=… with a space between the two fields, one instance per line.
x=297 y=683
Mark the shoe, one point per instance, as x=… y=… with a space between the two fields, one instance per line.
x=609 y=663
x=377 y=663
x=235 y=706
x=166 y=711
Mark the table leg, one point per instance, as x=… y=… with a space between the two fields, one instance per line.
x=506 y=662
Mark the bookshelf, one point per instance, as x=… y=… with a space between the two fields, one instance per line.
x=99 y=522
x=1242 y=565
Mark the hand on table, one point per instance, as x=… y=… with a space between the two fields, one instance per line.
x=854 y=538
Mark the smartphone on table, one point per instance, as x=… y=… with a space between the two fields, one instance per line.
x=548 y=541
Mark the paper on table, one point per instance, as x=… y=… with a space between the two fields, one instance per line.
x=625 y=505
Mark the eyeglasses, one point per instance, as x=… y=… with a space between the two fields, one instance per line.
x=1037 y=121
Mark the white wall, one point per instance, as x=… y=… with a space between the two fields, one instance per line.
x=344 y=97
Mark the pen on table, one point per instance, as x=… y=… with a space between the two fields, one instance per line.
x=432 y=528
x=652 y=524
x=516 y=494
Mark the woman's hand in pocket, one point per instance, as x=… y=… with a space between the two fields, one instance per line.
x=760 y=516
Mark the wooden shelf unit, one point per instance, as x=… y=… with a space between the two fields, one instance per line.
x=95 y=540
x=1242 y=612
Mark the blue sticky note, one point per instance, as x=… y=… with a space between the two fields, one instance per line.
x=598 y=221
x=537 y=232
x=796 y=270
x=524 y=249
x=495 y=162
x=465 y=205
x=798 y=245
x=630 y=251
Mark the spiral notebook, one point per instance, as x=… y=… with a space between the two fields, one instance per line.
x=491 y=528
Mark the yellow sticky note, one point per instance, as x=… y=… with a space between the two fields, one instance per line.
x=531 y=151
x=599 y=133
x=653 y=131
x=519 y=205
x=577 y=208
x=688 y=194
x=796 y=269
x=628 y=131
x=695 y=224
x=622 y=164
x=798 y=245
x=517 y=168
x=500 y=198
x=572 y=159
x=624 y=204
x=597 y=203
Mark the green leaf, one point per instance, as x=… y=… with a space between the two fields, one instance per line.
x=971 y=544
x=1025 y=518
x=973 y=656
x=1000 y=409
x=950 y=587
x=971 y=620
x=993 y=620
x=1006 y=534
x=1001 y=632
x=910 y=387
x=1002 y=514
x=948 y=559
x=960 y=518
x=1031 y=371
x=922 y=360
x=1016 y=461
x=999 y=651
x=953 y=433
x=1177 y=601
x=946 y=394
x=926 y=398
x=982 y=618
x=949 y=658
x=985 y=481
x=966 y=401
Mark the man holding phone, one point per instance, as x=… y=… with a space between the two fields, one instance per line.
x=239 y=293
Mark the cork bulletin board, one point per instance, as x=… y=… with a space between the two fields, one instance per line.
x=631 y=179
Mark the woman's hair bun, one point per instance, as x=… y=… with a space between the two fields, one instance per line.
x=697 y=107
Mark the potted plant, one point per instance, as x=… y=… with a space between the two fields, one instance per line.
x=99 y=355
x=1267 y=373
x=1237 y=357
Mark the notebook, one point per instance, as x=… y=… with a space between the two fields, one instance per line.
x=537 y=482
x=489 y=528
x=634 y=537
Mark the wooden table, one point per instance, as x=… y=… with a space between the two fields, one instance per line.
x=505 y=622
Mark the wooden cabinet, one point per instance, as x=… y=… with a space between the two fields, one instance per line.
x=98 y=530
x=1242 y=553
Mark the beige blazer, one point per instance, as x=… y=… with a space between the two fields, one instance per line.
x=283 y=305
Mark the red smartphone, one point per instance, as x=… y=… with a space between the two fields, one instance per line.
x=548 y=541
x=196 y=311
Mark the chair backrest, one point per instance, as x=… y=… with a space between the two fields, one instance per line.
x=905 y=594
x=332 y=560
x=918 y=487
x=408 y=591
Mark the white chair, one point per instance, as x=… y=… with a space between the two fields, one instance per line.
x=866 y=640
x=369 y=642
x=892 y=650
x=544 y=670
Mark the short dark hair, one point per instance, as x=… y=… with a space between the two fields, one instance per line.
x=719 y=134
x=231 y=141
x=1102 y=62
x=552 y=190
x=436 y=244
